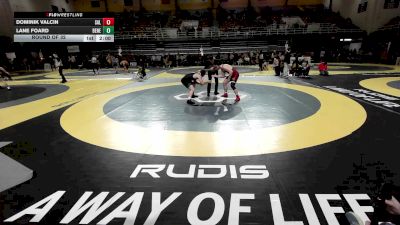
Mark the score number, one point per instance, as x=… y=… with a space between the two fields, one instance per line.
x=108 y=25
x=108 y=30
x=108 y=21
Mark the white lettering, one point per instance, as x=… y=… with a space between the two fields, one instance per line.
x=202 y=174
x=235 y=208
x=190 y=174
x=327 y=209
x=151 y=169
x=277 y=212
x=232 y=169
x=48 y=21
x=357 y=209
x=311 y=215
x=157 y=207
x=134 y=201
x=39 y=213
x=219 y=208
x=256 y=171
x=95 y=206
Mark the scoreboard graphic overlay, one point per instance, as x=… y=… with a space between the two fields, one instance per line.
x=63 y=27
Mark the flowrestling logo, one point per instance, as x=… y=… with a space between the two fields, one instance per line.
x=64 y=15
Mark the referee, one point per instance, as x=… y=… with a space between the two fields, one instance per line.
x=209 y=65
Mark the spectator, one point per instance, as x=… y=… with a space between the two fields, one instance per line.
x=58 y=64
x=51 y=61
x=247 y=59
x=109 y=60
x=3 y=75
x=231 y=58
x=125 y=64
x=261 y=61
x=323 y=68
x=276 y=66
x=305 y=68
x=295 y=69
x=115 y=63
x=265 y=65
x=72 y=61
x=386 y=211
x=393 y=206
x=95 y=64
x=286 y=62
x=281 y=63
x=239 y=61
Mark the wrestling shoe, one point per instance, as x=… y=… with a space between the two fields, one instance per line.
x=190 y=102
x=194 y=96
x=216 y=93
x=225 y=95
x=237 y=98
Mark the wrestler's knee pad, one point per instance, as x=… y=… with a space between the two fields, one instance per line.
x=233 y=85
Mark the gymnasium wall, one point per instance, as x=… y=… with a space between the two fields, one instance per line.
x=113 y=6
x=39 y=5
x=231 y=4
x=195 y=4
x=305 y=2
x=149 y=5
x=6 y=18
x=373 y=18
x=169 y=5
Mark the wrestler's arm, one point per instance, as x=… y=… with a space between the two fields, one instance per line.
x=228 y=70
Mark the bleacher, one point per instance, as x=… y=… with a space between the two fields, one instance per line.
x=232 y=24
x=187 y=47
x=393 y=24
x=235 y=30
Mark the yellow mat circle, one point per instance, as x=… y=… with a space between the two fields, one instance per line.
x=337 y=117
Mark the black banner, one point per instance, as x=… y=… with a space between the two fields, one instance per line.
x=58 y=22
x=62 y=15
x=59 y=30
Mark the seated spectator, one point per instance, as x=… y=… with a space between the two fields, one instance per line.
x=295 y=69
x=386 y=209
x=276 y=66
x=323 y=68
x=265 y=65
x=261 y=61
x=125 y=64
x=240 y=61
x=304 y=69
x=247 y=59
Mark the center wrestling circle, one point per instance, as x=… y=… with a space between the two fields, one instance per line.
x=336 y=117
x=167 y=109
